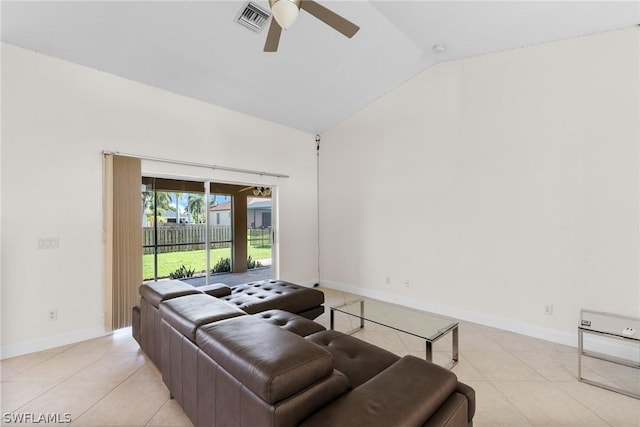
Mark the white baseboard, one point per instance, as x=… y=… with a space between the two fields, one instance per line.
x=596 y=344
x=45 y=343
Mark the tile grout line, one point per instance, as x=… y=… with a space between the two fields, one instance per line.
x=509 y=400
x=163 y=404
x=512 y=404
x=36 y=397
x=26 y=369
x=111 y=391
x=56 y=384
x=581 y=404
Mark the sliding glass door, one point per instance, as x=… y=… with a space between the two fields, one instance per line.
x=192 y=230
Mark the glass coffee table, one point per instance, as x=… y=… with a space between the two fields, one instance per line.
x=423 y=325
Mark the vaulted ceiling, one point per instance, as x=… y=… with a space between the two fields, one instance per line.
x=318 y=77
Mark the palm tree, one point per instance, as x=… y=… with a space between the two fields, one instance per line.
x=164 y=200
x=177 y=207
x=148 y=200
x=195 y=206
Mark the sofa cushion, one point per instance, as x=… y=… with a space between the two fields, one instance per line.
x=271 y=362
x=217 y=290
x=291 y=322
x=156 y=292
x=406 y=394
x=186 y=314
x=269 y=294
x=357 y=359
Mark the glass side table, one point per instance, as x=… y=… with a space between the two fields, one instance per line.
x=612 y=326
x=423 y=325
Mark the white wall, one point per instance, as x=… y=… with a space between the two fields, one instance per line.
x=57 y=118
x=495 y=185
x=512 y=180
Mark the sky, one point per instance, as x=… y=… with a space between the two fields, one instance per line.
x=184 y=197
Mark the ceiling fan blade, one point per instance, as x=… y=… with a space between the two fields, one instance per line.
x=330 y=18
x=273 y=37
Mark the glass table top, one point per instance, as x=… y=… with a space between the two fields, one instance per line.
x=404 y=319
x=611 y=324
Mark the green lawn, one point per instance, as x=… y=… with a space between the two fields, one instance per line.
x=171 y=261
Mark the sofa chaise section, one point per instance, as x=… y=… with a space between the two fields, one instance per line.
x=408 y=393
x=277 y=294
x=254 y=373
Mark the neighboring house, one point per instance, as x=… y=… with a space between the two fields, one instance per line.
x=170 y=216
x=220 y=214
x=258 y=213
x=166 y=217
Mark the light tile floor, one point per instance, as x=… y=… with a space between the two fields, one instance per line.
x=519 y=381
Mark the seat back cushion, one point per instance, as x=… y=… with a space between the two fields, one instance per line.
x=156 y=292
x=188 y=313
x=271 y=362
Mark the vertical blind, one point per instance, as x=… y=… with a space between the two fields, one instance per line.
x=122 y=238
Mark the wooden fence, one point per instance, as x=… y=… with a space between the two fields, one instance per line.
x=259 y=237
x=191 y=237
x=186 y=237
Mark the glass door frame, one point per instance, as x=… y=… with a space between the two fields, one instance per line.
x=207 y=194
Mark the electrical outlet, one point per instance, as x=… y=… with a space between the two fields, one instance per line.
x=548 y=309
x=48 y=242
x=406 y=283
x=387 y=280
x=53 y=314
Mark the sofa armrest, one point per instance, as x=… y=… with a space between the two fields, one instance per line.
x=407 y=393
x=470 y=394
x=217 y=290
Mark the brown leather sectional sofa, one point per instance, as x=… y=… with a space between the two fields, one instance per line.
x=250 y=298
x=227 y=367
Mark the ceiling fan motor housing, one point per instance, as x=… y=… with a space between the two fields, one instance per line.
x=285 y=11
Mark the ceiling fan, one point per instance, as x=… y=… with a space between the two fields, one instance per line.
x=285 y=13
x=258 y=191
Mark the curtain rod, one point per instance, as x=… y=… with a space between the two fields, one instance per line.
x=200 y=165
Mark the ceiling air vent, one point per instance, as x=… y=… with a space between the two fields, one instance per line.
x=253 y=17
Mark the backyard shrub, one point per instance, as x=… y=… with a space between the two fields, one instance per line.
x=181 y=273
x=222 y=266
x=252 y=263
